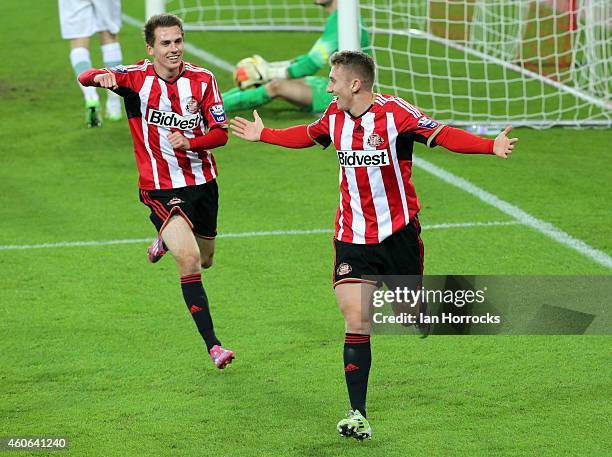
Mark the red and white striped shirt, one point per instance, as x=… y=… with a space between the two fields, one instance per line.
x=374 y=150
x=155 y=107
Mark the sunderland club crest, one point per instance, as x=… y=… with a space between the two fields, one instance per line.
x=343 y=269
x=192 y=105
x=375 y=140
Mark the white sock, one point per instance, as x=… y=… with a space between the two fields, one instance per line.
x=81 y=61
x=111 y=54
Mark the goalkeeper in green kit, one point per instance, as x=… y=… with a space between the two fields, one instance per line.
x=259 y=81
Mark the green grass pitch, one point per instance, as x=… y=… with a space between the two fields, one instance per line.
x=96 y=344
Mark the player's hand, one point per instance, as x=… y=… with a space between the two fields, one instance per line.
x=178 y=141
x=106 y=80
x=503 y=145
x=247 y=130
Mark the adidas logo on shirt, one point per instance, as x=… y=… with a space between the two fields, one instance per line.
x=170 y=119
x=355 y=159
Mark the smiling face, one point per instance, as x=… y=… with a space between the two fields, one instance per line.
x=341 y=85
x=167 y=51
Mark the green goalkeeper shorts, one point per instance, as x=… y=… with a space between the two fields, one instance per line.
x=320 y=98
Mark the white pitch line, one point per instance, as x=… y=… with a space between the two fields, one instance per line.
x=72 y=244
x=469 y=224
x=523 y=217
x=132 y=21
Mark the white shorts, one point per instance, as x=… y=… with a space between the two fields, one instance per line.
x=83 y=18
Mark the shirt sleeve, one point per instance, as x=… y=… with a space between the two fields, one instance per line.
x=212 y=106
x=292 y=137
x=415 y=125
x=121 y=73
x=319 y=132
x=463 y=142
x=215 y=138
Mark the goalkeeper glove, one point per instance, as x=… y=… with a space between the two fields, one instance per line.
x=255 y=71
x=247 y=74
x=278 y=70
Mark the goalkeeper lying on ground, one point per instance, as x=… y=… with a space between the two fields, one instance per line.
x=291 y=80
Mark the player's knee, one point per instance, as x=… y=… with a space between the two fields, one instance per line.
x=357 y=323
x=107 y=37
x=207 y=261
x=358 y=326
x=188 y=260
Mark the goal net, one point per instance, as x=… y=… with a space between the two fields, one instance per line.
x=247 y=15
x=537 y=63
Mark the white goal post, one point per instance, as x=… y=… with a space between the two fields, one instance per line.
x=536 y=63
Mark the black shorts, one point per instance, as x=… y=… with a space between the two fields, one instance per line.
x=197 y=204
x=399 y=254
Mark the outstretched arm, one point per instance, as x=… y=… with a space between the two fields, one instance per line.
x=458 y=140
x=247 y=130
x=503 y=145
x=292 y=137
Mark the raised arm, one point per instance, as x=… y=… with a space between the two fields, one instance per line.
x=98 y=78
x=458 y=140
x=247 y=130
x=503 y=145
x=293 y=137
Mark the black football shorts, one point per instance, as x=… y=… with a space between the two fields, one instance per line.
x=199 y=206
x=399 y=254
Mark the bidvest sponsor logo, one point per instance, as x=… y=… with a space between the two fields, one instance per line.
x=170 y=119
x=355 y=159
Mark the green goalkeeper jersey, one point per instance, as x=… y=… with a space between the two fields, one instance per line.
x=325 y=46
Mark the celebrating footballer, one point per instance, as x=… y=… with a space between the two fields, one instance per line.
x=377 y=228
x=176 y=117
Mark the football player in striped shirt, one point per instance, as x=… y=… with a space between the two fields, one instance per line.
x=176 y=117
x=377 y=227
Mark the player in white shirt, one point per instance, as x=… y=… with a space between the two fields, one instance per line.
x=79 y=20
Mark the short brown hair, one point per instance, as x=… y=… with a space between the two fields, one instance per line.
x=160 y=20
x=359 y=63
